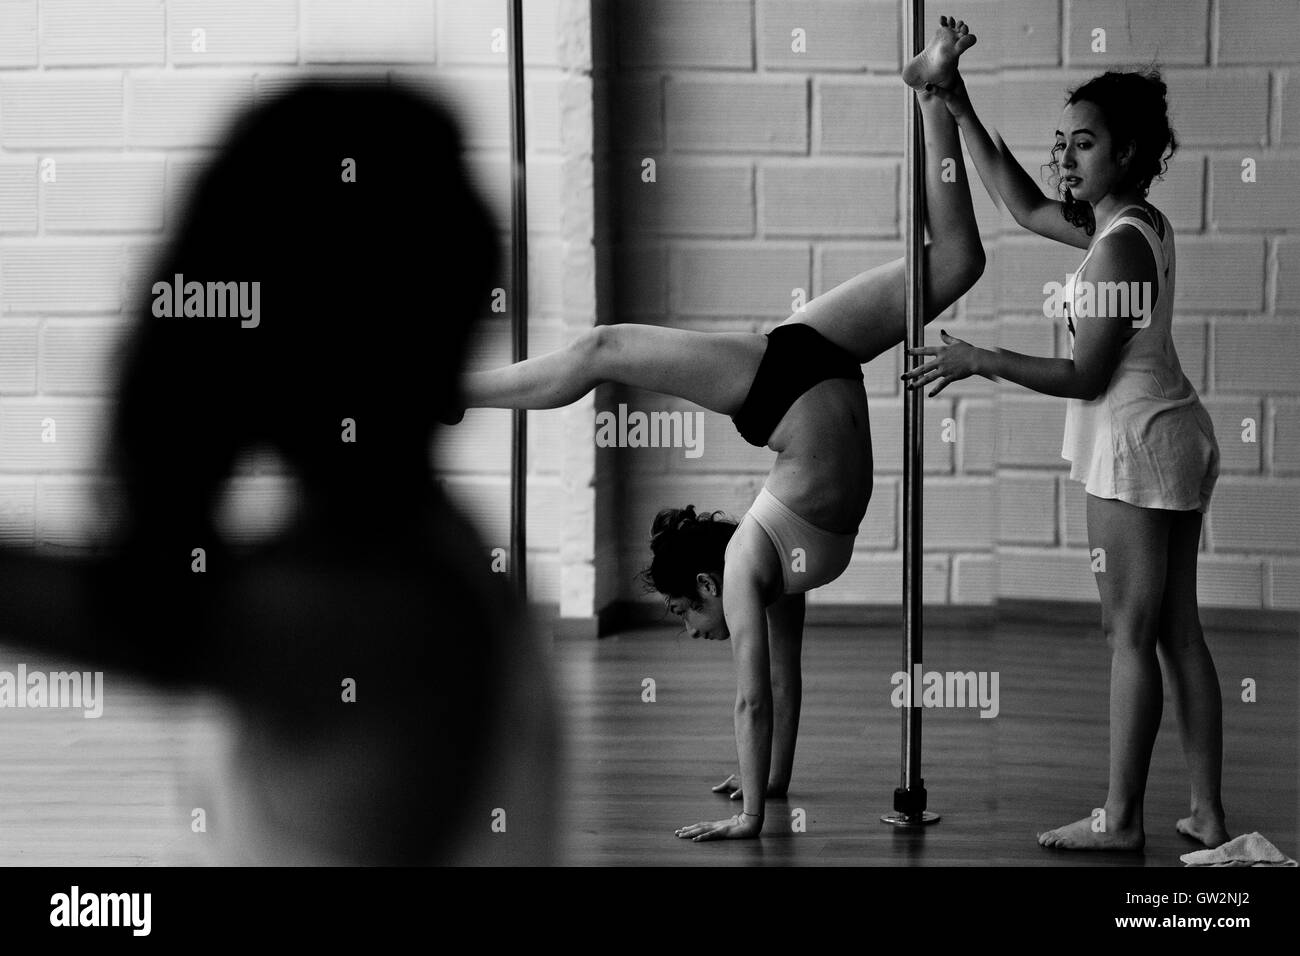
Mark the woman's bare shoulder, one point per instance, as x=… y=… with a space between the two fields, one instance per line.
x=751 y=558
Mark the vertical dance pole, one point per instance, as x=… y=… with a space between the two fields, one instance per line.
x=518 y=298
x=910 y=797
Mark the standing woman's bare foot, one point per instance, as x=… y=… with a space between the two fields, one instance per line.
x=1206 y=827
x=937 y=63
x=1080 y=835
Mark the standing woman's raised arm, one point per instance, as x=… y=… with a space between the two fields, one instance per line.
x=1003 y=175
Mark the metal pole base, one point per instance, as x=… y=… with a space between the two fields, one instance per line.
x=909 y=808
x=909 y=819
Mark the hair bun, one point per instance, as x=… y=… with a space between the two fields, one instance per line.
x=671 y=520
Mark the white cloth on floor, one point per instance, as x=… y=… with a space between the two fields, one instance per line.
x=1249 y=850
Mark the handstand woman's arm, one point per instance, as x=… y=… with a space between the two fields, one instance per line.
x=785 y=644
x=747 y=621
x=785 y=640
x=744 y=601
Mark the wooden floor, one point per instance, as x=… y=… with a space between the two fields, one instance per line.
x=118 y=790
x=640 y=770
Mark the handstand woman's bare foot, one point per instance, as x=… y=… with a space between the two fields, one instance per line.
x=1205 y=826
x=937 y=63
x=1086 y=835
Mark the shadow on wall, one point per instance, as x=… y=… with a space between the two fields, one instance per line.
x=317 y=301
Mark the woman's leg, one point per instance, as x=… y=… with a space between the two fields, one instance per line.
x=711 y=369
x=866 y=314
x=1135 y=542
x=1194 y=683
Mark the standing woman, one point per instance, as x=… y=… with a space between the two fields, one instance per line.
x=1136 y=433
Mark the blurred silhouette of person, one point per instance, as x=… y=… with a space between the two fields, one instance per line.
x=316 y=301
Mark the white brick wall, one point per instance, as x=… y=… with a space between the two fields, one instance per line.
x=1285 y=437
x=18 y=196
x=724 y=114
x=776 y=170
x=87 y=32
x=1220 y=107
x=737 y=279
x=75 y=425
x=689 y=197
x=110 y=194
x=386 y=31
x=843 y=197
x=72 y=512
x=18 y=356
x=1268 y=203
x=61 y=275
x=118 y=98
x=77 y=355
x=856 y=115
x=1285 y=585
x=1176 y=28
x=20 y=38
x=715 y=34
x=838 y=35
x=732 y=115
x=1255 y=31
x=234 y=31
x=58 y=110
x=1026 y=508
x=1220 y=275
x=189 y=108
x=1288 y=274
x=1252 y=356
x=18 y=510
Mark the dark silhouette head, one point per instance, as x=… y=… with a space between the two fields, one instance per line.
x=350 y=209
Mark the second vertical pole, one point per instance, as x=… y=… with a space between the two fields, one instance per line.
x=910 y=796
x=518 y=300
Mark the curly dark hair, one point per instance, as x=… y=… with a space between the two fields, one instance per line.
x=1134 y=107
x=684 y=544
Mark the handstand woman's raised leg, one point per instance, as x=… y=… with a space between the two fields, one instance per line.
x=711 y=369
x=867 y=314
x=864 y=315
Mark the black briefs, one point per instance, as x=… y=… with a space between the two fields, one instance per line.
x=797 y=358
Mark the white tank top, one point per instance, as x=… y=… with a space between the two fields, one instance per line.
x=1147 y=438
